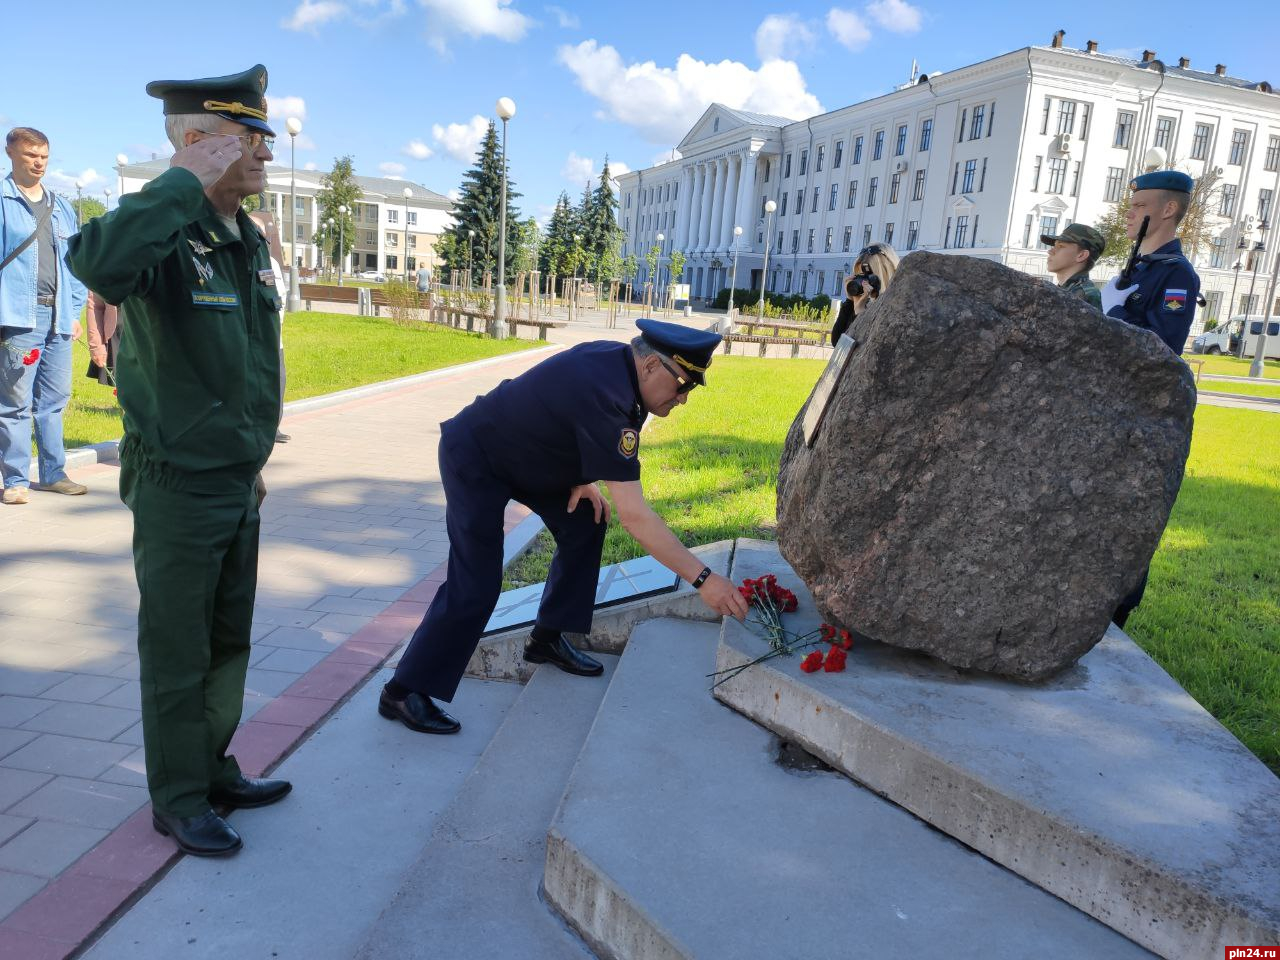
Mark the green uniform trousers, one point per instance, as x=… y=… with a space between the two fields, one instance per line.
x=196 y=559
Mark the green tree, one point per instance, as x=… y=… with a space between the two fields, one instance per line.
x=87 y=208
x=677 y=266
x=599 y=225
x=479 y=209
x=338 y=188
x=524 y=250
x=556 y=252
x=1112 y=228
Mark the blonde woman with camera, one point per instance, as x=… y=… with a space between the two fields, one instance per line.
x=873 y=271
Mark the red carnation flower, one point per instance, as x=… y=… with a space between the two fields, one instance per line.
x=846 y=639
x=31 y=356
x=812 y=663
x=835 y=660
x=827 y=631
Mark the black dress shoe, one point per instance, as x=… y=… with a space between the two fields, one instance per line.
x=282 y=437
x=417 y=713
x=249 y=792
x=564 y=655
x=204 y=835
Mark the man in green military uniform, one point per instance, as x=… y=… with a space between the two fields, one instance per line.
x=199 y=381
x=1071 y=256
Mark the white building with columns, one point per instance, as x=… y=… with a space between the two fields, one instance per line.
x=980 y=160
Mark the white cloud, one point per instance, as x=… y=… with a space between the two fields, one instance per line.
x=454 y=194
x=781 y=36
x=662 y=103
x=281 y=108
x=310 y=165
x=666 y=156
x=64 y=183
x=303 y=142
x=567 y=20
x=895 y=15
x=848 y=28
x=416 y=149
x=461 y=140
x=617 y=168
x=473 y=18
x=578 y=170
x=543 y=215
x=391 y=169
x=310 y=15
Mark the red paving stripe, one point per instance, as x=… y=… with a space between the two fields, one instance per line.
x=54 y=923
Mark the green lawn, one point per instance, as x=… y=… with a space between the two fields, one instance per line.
x=1231 y=367
x=1258 y=388
x=324 y=352
x=1211 y=615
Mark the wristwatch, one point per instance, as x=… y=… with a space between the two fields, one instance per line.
x=701 y=578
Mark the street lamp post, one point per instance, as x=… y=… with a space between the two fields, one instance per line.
x=408 y=193
x=121 y=160
x=342 y=246
x=1260 y=355
x=471 y=252
x=79 y=204
x=657 y=275
x=737 y=232
x=106 y=199
x=1259 y=248
x=294 y=126
x=328 y=239
x=506 y=110
x=769 y=207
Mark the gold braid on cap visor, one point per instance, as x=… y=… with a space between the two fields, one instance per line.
x=238 y=108
x=686 y=364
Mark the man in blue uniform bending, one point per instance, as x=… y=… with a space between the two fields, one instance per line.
x=544 y=439
x=1162 y=295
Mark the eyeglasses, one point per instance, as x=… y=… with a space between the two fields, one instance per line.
x=684 y=384
x=251 y=141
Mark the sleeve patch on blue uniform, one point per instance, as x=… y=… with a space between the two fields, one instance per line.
x=1175 y=301
x=629 y=442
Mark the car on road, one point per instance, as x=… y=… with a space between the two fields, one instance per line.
x=373 y=275
x=1226 y=338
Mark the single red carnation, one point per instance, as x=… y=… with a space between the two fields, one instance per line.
x=846 y=639
x=770 y=579
x=31 y=356
x=835 y=660
x=827 y=631
x=790 y=604
x=812 y=663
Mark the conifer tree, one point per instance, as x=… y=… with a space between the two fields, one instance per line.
x=556 y=253
x=479 y=208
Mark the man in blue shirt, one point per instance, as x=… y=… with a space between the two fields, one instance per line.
x=40 y=303
x=544 y=439
x=1161 y=296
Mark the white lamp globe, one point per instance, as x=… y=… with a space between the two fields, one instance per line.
x=294 y=126
x=506 y=108
x=770 y=206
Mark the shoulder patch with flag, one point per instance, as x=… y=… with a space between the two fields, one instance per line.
x=1175 y=301
x=629 y=442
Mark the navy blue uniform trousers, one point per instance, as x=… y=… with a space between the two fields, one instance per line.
x=475 y=501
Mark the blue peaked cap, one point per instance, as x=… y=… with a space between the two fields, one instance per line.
x=1163 y=180
x=692 y=349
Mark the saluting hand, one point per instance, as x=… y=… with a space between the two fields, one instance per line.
x=209 y=158
x=598 y=502
x=722 y=596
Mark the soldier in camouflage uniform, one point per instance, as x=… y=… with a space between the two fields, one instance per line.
x=1071 y=256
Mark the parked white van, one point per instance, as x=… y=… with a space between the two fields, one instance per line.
x=1226 y=338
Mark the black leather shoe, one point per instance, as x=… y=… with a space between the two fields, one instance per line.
x=204 y=835
x=250 y=792
x=417 y=713
x=564 y=655
x=282 y=437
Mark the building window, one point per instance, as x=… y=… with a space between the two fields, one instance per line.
x=299 y=231
x=1273 y=153
x=1239 y=146
x=982 y=181
x=795 y=211
x=846 y=241
x=955 y=178
x=1026 y=231
x=779 y=244
x=786 y=287
x=1066 y=117
x=991 y=118
x=782 y=210
x=1228 y=204
x=1164 y=132
x=370 y=238
x=853 y=195
x=964 y=120
x=839 y=155
x=974 y=241
x=900 y=147
x=878 y=150
x=768 y=166
x=857 y=151
x=1264 y=204
x=926 y=134
x=804 y=282
x=917 y=191
x=828 y=240
x=393 y=239
x=970 y=168
x=392 y=261
x=1044 y=118
x=814 y=207
x=975 y=128
x=1057 y=174
x=817 y=163
x=786 y=166
x=1124 y=129
x=628 y=201
x=1084 y=135
x=809 y=241
x=299 y=205
x=413 y=218
x=888 y=233
x=1200 y=142
x=804 y=162
x=1048 y=227
x=1035 y=174
x=795 y=241
x=913 y=233
x=946 y=236
x=1218 y=252
x=871 y=191
x=835 y=196
x=1075 y=179
x=962 y=230
x=393 y=216
x=895 y=182
x=866 y=235
x=1115 y=184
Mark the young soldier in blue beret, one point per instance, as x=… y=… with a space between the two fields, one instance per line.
x=1162 y=295
x=544 y=439
x=199 y=381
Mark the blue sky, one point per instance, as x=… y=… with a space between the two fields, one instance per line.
x=405 y=86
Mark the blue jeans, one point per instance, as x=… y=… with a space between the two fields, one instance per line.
x=33 y=392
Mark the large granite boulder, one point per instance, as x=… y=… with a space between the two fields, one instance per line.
x=993 y=473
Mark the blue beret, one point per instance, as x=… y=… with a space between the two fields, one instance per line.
x=1163 y=180
x=690 y=348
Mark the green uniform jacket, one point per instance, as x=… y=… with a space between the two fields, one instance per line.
x=198 y=373
x=1084 y=288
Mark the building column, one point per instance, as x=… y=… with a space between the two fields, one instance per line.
x=712 y=232
x=682 y=210
x=733 y=170
x=704 y=206
x=747 y=197
x=695 y=207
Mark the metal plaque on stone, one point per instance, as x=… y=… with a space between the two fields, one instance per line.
x=825 y=388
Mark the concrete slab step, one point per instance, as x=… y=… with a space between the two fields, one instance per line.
x=473 y=893
x=318 y=868
x=1108 y=786
x=681 y=836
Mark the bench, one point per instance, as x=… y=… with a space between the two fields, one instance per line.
x=543 y=325
x=766 y=341
x=1198 y=364
x=307 y=292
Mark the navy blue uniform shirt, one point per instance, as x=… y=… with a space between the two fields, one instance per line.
x=1165 y=301
x=574 y=418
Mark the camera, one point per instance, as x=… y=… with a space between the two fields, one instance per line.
x=865 y=281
